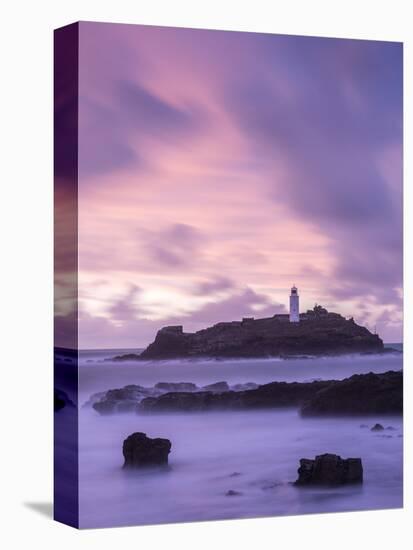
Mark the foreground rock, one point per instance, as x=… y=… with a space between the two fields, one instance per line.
x=329 y=469
x=318 y=333
x=141 y=451
x=360 y=394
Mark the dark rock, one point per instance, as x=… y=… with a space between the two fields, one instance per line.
x=61 y=400
x=176 y=386
x=329 y=469
x=232 y=493
x=360 y=394
x=141 y=451
x=235 y=474
x=127 y=398
x=217 y=387
x=275 y=394
x=319 y=333
x=377 y=428
x=170 y=343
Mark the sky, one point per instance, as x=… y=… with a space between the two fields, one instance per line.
x=217 y=169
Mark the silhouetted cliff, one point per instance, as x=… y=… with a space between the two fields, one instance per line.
x=318 y=333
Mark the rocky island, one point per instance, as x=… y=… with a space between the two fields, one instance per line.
x=317 y=332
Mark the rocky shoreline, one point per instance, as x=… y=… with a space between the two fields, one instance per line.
x=360 y=394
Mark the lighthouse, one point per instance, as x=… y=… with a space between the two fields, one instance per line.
x=294 y=306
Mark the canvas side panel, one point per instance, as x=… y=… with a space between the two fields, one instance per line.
x=66 y=463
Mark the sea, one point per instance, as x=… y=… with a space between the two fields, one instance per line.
x=231 y=464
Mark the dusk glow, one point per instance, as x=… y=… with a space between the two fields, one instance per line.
x=215 y=173
x=228 y=275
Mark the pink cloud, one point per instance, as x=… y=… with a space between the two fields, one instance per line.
x=214 y=162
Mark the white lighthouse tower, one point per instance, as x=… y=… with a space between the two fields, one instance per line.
x=294 y=306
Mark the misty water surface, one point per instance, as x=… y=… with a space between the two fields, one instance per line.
x=253 y=453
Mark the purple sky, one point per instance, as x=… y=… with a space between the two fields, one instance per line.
x=219 y=168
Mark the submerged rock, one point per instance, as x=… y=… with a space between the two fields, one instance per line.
x=329 y=469
x=377 y=428
x=141 y=451
x=232 y=493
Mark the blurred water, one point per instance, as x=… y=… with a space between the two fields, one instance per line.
x=98 y=373
x=263 y=447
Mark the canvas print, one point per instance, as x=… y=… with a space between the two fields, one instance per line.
x=228 y=275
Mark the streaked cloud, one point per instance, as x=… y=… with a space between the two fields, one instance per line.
x=217 y=169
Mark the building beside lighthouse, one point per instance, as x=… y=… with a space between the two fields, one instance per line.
x=294 y=306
